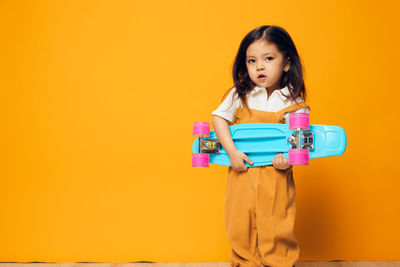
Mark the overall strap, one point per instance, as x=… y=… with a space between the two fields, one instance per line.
x=241 y=113
x=279 y=115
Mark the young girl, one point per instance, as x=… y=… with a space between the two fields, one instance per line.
x=260 y=201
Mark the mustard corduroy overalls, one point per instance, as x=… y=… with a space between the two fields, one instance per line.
x=260 y=207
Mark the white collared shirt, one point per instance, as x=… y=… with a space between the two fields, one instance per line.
x=258 y=99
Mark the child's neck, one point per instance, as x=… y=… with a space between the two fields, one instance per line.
x=270 y=90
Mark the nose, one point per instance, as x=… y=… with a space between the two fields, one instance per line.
x=260 y=65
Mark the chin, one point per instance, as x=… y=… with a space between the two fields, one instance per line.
x=262 y=85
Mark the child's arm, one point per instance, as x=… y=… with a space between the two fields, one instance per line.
x=221 y=129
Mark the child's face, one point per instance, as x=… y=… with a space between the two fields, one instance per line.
x=265 y=64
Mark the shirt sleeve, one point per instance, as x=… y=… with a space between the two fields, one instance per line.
x=302 y=110
x=228 y=107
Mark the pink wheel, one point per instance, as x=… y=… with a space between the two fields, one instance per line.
x=299 y=120
x=200 y=160
x=298 y=156
x=201 y=129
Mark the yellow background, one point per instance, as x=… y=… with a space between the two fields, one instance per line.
x=97 y=104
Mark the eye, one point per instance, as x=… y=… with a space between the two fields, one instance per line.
x=251 y=60
x=269 y=58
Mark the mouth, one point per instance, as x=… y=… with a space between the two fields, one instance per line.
x=261 y=77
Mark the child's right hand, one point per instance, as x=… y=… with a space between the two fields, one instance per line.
x=237 y=163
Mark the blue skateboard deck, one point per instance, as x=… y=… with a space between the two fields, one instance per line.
x=261 y=142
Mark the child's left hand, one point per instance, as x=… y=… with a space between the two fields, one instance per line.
x=280 y=162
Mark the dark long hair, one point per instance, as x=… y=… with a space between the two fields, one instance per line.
x=293 y=78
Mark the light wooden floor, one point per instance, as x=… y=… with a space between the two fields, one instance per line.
x=208 y=264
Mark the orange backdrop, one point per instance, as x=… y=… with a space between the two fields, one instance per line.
x=97 y=104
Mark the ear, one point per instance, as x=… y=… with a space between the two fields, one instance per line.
x=286 y=64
